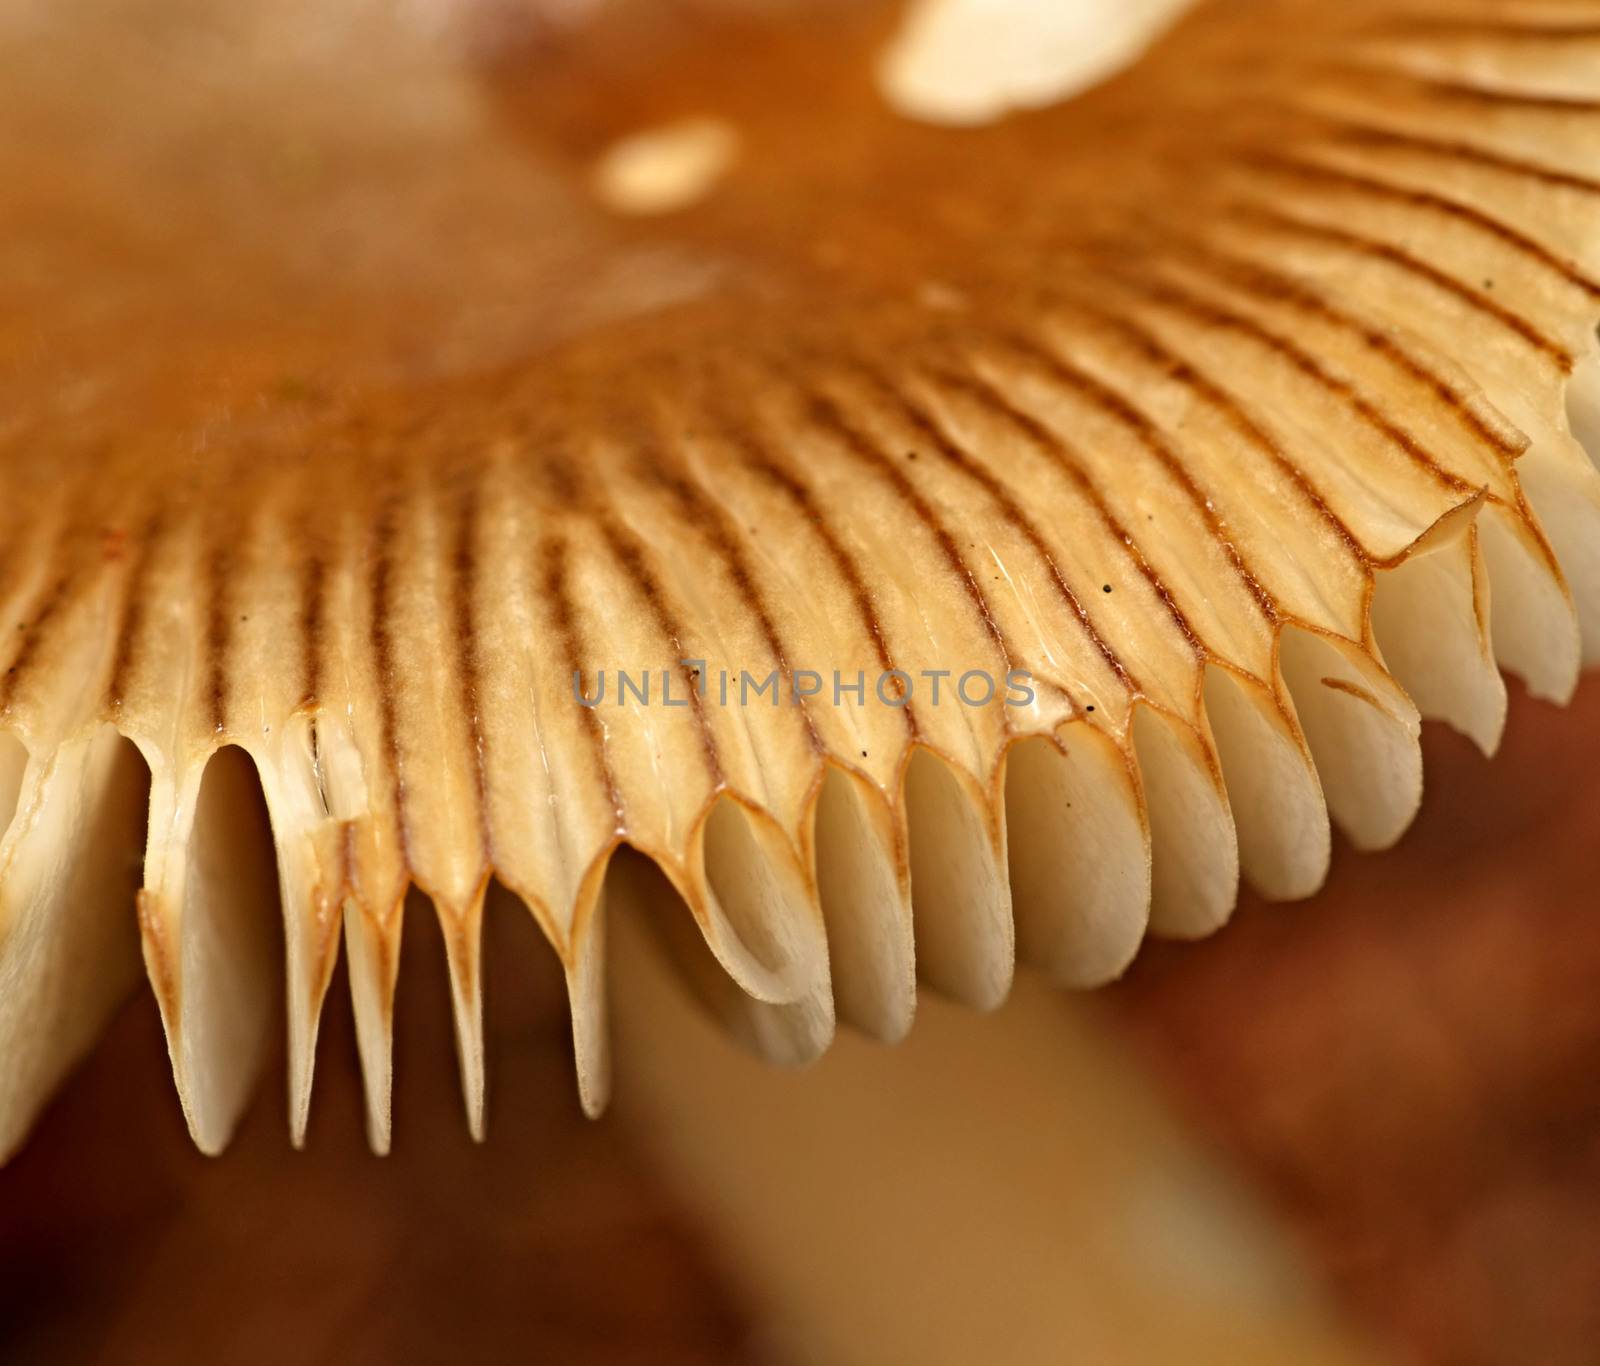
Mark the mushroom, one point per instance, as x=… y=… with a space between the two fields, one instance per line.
x=369 y=480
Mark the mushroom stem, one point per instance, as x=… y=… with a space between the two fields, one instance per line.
x=1004 y=1188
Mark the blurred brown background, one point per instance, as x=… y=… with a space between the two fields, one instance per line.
x=1407 y=1069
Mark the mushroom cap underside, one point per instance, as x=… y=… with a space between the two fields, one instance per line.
x=1009 y=536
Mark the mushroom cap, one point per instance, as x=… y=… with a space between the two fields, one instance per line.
x=352 y=439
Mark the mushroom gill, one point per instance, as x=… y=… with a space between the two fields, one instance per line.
x=348 y=440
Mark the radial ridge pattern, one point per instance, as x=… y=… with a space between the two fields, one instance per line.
x=1239 y=405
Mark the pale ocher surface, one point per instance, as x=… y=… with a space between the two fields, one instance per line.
x=342 y=425
x=973 y=61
